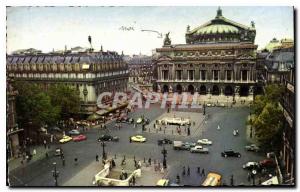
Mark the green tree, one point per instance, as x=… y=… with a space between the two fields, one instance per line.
x=34 y=107
x=267 y=117
x=65 y=97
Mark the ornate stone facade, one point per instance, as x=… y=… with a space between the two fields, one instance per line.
x=89 y=72
x=219 y=58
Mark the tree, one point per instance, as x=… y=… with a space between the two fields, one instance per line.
x=267 y=116
x=268 y=124
x=65 y=97
x=34 y=107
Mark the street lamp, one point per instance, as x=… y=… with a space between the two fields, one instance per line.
x=164 y=152
x=253 y=175
x=204 y=108
x=55 y=173
x=103 y=150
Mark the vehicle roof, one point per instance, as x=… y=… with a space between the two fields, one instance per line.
x=162 y=182
x=212 y=179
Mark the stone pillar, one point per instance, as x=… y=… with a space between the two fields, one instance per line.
x=237 y=91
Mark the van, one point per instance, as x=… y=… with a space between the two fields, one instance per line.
x=212 y=179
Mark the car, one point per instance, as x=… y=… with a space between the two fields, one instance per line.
x=267 y=163
x=199 y=149
x=164 y=141
x=162 y=182
x=65 y=139
x=108 y=138
x=138 y=138
x=204 y=142
x=79 y=138
x=74 y=132
x=251 y=165
x=230 y=153
x=139 y=120
x=252 y=147
x=190 y=144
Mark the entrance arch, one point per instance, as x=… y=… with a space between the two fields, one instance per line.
x=215 y=90
x=244 y=91
x=202 y=90
x=179 y=88
x=165 y=89
x=228 y=90
x=191 y=89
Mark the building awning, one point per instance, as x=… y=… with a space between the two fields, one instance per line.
x=272 y=181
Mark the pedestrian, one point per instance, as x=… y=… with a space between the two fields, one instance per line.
x=63 y=161
x=183 y=171
x=34 y=152
x=45 y=143
x=47 y=155
x=203 y=172
x=135 y=164
x=231 y=180
x=198 y=170
x=149 y=161
x=130 y=139
x=97 y=158
x=189 y=132
x=140 y=164
x=249 y=177
x=133 y=180
x=188 y=171
x=113 y=163
x=61 y=154
x=177 y=179
x=75 y=161
x=219 y=127
x=22 y=162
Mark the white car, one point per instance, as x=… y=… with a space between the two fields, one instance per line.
x=199 y=149
x=251 y=165
x=204 y=142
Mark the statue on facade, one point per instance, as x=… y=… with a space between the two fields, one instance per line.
x=251 y=90
x=188 y=28
x=252 y=24
x=167 y=40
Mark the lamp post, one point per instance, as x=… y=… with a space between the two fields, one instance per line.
x=204 y=108
x=103 y=150
x=164 y=152
x=55 y=173
x=253 y=175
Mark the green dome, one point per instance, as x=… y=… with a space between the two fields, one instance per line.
x=217 y=29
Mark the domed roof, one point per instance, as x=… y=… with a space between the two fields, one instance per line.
x=217 y=29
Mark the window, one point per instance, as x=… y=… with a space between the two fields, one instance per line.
x=179 y=74
x=216 y=75
x=203 y=74
x=228 y=75
x=191 y=75
x=165 y=74
x=244 y=75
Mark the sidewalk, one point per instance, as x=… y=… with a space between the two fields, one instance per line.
x=40 y=154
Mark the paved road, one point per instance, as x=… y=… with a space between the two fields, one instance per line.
x=39 y=173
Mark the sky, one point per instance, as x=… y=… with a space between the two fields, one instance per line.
x=48 y=28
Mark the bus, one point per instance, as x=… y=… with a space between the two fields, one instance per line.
x=212 y=179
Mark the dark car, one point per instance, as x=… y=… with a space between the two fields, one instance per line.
x=230 y=153
x=108 y=138
x=164 y=141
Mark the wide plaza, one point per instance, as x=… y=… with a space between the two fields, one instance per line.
x=39 y=173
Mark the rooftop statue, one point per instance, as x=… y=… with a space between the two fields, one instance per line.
x=167 y=40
